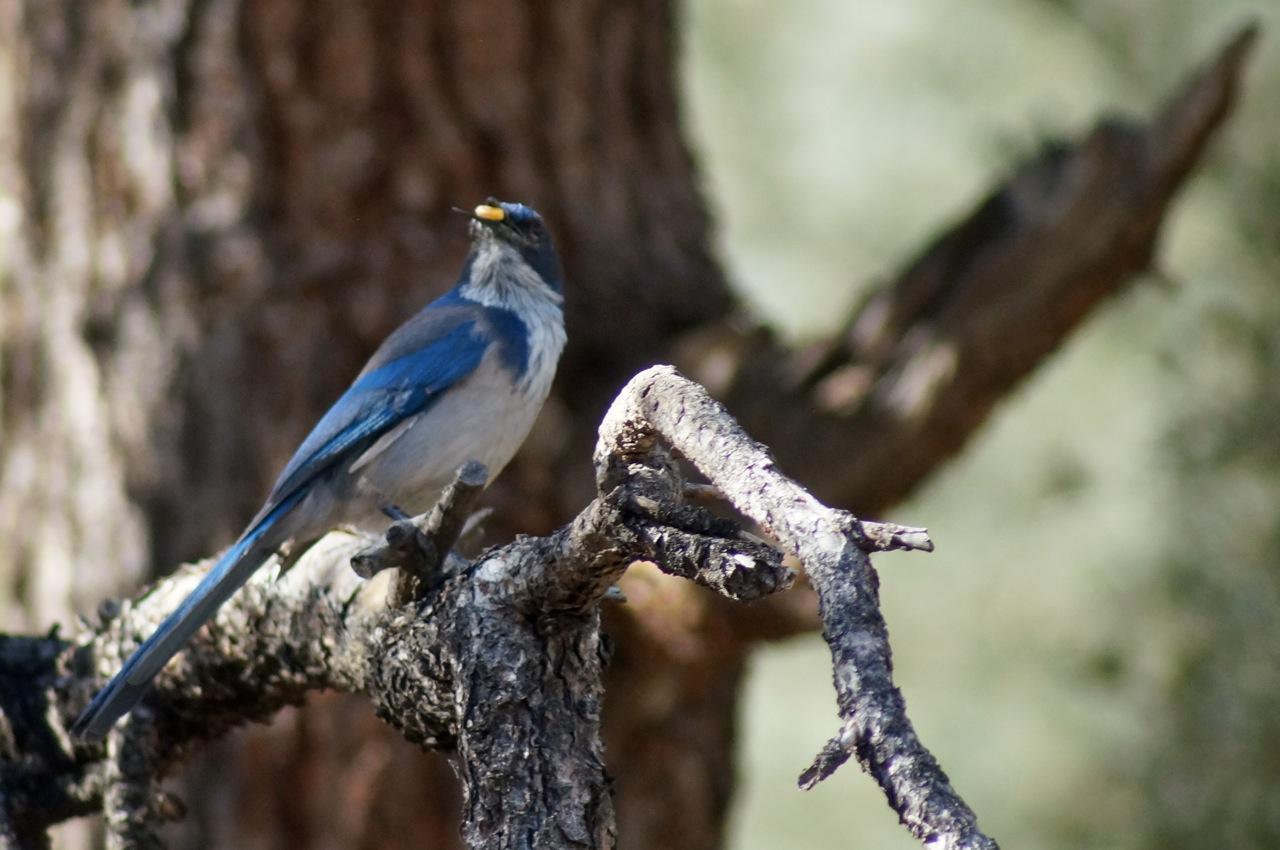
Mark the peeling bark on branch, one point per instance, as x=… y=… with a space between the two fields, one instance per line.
x=502 y=662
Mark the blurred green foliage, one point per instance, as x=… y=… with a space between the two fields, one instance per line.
x=1094 y=651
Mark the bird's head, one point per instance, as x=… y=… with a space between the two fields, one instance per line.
x=504 y=230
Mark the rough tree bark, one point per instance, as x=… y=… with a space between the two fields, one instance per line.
x=211 y=211
x=500 y=661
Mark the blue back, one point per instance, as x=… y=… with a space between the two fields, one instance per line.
x=437 y=348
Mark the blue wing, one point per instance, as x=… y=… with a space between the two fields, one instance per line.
x=413 y=367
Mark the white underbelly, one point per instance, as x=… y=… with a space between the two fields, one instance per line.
x=484 y=418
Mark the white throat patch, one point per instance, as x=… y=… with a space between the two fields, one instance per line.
x=501 y=278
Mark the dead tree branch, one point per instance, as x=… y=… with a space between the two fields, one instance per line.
x=922 y=362
x=659 y=406
x=500 y=662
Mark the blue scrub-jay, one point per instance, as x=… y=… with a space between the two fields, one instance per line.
x=462 y=380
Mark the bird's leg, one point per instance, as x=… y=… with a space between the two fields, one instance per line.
x=472 y=525
x=290 y=552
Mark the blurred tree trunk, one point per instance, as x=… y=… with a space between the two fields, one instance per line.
x=214 y=210
x=211 y=211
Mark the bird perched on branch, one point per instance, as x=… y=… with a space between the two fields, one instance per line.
x=462 y=380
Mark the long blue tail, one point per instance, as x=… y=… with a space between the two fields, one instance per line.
x=127 y=687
